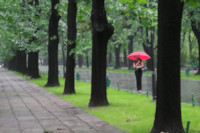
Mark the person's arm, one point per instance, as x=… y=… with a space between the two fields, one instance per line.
x=134 y=65
x=141 y=66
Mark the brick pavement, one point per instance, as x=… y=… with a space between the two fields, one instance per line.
x=28 y=108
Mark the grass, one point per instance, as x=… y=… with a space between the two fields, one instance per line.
x=191 y=76
x=130 y=112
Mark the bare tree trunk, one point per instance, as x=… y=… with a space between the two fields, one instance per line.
x=101 y=33
x=125 y=58
x=53 y=46
x=33 y=69
x=168 y=108
x=130 y=50
x=80 y=61
x=117 y=56
x=21 y=61
x=71 y=35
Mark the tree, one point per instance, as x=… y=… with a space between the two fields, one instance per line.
x=21 y=61
x=101 y=33
x=33 y=69
x=53 y=45
x=168 y=109
x=71 y=34
x=117 y=56
x=195 y=24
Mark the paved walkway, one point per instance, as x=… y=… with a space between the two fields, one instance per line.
x=27 y=108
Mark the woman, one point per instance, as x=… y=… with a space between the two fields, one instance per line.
x=138 y=65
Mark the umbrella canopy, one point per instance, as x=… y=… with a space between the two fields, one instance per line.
x=139 y=54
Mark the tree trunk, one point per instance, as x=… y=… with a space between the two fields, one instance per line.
x=33 y=69
x=198 y=72
x=87 y=61
x=101 y=33
x=168 y=108
x=125 y=58
x=63 y=59
x=71 y=34
x=80 y=61
x=12 y=64
x=190 y=46
x=196 y=31
x=117 y=56
x=147 y=47
x=130 y=50
x=109 y=58
x=21 y=61
x=53 y=46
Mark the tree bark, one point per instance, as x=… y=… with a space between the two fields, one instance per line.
x=63 y=59
x=87 y=61
x=12 y=64
x=101 y=33
x=53 y=46
x=21 y=61
x=190 y=47
x=33 y=69
x=130 y=50
x=109 y=58
x=168 y=108
x=71 y=34
x=125 y=58
x=147 y=47
x=117 y=56
x=80 y=61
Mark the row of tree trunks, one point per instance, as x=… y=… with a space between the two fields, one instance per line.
x=33 y=69
x=19 y=63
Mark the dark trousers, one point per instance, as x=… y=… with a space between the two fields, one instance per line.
x=138 y=74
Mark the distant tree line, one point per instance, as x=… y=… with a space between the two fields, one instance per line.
x=107 y=28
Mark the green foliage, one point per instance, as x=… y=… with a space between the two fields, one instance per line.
x=23 y=26
x=129 y=18
x=192 y=3
x=84 y=35
x=189 y=46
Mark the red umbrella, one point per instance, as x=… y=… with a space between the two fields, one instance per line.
x=140 y=54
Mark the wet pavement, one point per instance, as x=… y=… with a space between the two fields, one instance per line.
x=127 y=82
x=28 y=108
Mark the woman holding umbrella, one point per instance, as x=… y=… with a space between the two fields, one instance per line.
x=138 y=65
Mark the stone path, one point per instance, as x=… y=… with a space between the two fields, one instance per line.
x=27 y=108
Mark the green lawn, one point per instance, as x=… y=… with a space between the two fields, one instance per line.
x=130 y=112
